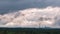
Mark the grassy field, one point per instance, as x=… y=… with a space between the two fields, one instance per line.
x=29 y=31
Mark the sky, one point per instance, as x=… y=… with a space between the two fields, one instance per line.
x=30 y=13
x=7 y=6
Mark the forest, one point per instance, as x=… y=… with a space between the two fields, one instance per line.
x=29 y=31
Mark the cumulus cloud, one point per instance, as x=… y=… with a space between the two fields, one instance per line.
x=32 y=17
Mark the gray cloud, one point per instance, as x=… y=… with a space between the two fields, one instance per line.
x=6 y=5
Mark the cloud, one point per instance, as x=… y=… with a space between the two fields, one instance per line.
x=32 y=17
x=29 y=13
x=6 y=5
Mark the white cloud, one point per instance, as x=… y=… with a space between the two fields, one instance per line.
x=32 y=17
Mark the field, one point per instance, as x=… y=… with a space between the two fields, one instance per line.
x=29 y=31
